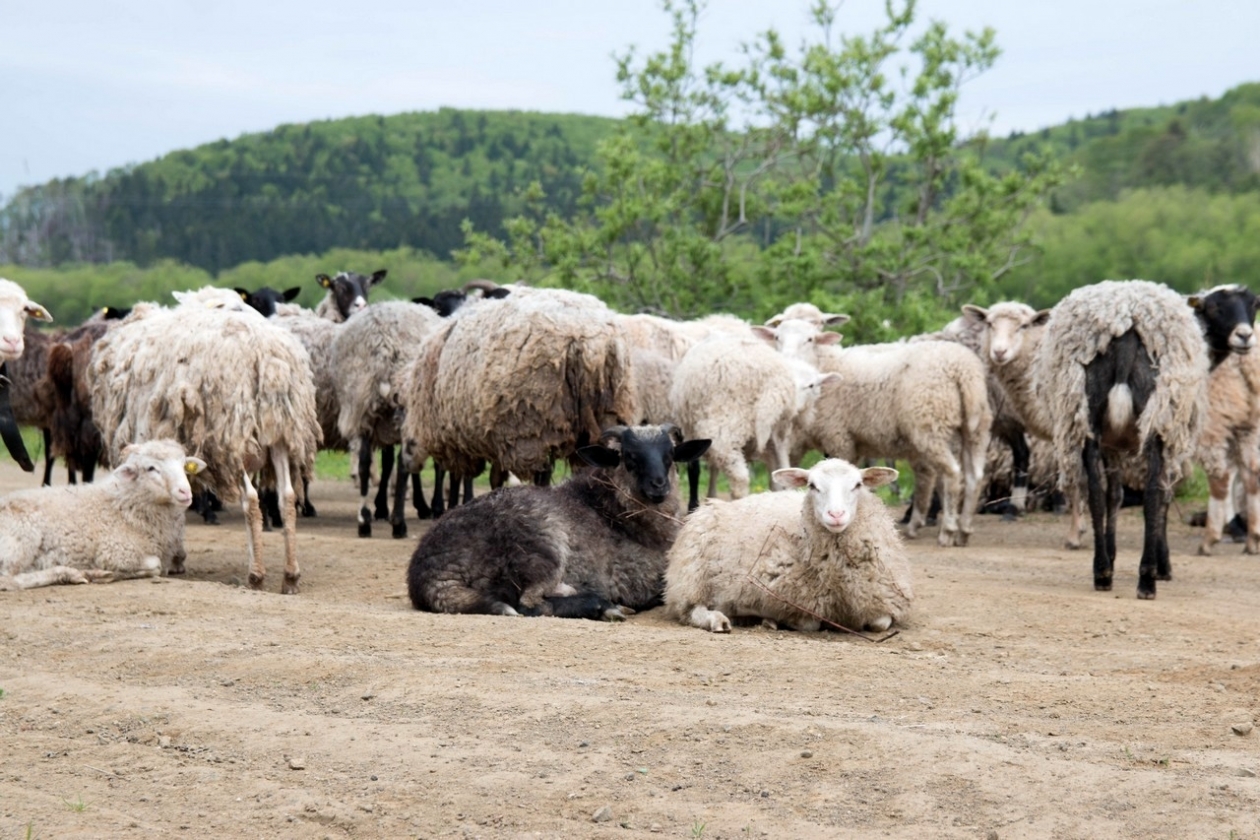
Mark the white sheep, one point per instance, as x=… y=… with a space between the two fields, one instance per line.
x=232 y=387
x=745 y=397
x=830 y=554
x=1230 y=445
x=122 y=527
x=15 y=308
x=925 y=402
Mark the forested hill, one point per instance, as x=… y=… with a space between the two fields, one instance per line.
x=371 y=183
x=1211 y=144
x=377 y=183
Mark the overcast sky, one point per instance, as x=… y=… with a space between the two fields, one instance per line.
x=93 y=84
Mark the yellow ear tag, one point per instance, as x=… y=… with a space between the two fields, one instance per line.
x=190 y=467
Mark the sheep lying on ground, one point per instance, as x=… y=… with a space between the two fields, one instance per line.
x=228 y=384
x=579 y=549
x=125 y=526
x=1125 y=366
x=831 y=554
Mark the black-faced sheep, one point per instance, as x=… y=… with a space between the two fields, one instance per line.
x=830 y=554
x=347 y=293
x=590 y=544
x=125 y=526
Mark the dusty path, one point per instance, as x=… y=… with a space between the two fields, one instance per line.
x=1017 y=703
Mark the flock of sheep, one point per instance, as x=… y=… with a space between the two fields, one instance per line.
x=237 y=390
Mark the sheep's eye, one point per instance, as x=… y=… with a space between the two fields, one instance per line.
x=813 y=487
x=152 y=469
x=857 y=486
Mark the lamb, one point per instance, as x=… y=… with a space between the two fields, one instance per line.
x=125 y=526
x=366 y=361
x=745 y=397
x=831 y=554
x=1126 y=366
x=926 y=402
x=232 y=387
x=1230 y=445
x=517 y=382
x=593 y=546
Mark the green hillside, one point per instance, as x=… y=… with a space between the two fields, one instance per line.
x=370 y=183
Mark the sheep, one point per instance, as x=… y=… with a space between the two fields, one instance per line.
x=125 y=526
x=745 y=397
x=367 y=359
x=517 y=382
x=448 y=301
x=1011 y=337
x=1231 y=445
x=926 y=402
x=797 y=559
x=593 y=546
x=347 y=293
x=1125 y=365
x=15 y=308
x=232 y=387
x=809 y=313
x=66 y=391
x=267 y=301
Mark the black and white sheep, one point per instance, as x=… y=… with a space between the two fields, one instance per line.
x=126 y=526
x=582 y=548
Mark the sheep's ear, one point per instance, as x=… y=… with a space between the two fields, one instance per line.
x=244 y=293
x=193 y=466
x=835 y=320
x=181 y=297
x=828 y=338
x=775 y=321
x=975 y=314
x=768 y=334
x=127 y=472
x=599 y=456
x=690 y=450
x=830 y=379
x=37 y=312
x=792 y=477
x=878 y=476
x=424 y=301
x=1040 y=319
x=290 y=294
x=324 y=280
x=377 y=276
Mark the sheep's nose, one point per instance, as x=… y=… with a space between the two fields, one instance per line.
x=999 y=355
x=837 y=519
x=13 y=344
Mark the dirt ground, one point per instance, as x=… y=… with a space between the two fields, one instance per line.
x=1017 y=703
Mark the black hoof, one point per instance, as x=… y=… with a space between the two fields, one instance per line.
x=1102 y=584
x=255 y=581
x=210 y=518
x=308 y=510
x=365 y=529
x=267 y=525
x=425 y=514
x=1144 y=595
x=399 y=530
x=381 y=514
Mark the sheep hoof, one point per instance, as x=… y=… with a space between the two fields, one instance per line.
x=613 y=614
x=381 y=514
x=1072 y=545
x=290 y=585
x=365 y=529
x=176 y=569
x=880 y=624
x=97 y=576
x=1205 y=550
x=1102 y=584
x=399 y=530
x=266 y=525
x=308 y=511
x=719 y=623
x=1165 y=576
x=255 y=580
x=963 y=538
x=1144 y=595
x=426 y=513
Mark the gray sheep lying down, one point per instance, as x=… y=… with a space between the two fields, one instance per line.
x=125 y=526
x=586 y=548
x=831 y=553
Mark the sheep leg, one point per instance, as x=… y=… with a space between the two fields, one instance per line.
x=1021 y=457
x=1218 y=511
x=308 y=509
x=713 y=480
x=1104 y=563
x=542 y=478
x=53 y=576
x=1155 y=564
x=49 y=460
x=284 y=489
x=951 y=484
x=1076 y=524
x=417 y=496
x=365 y=484
x=693 y=484
x=253 y=522
x=1251 y=484
x=382 y=492
x=924 y=487
x=439 y=480
x=497 y=476
x=707 y=619
x=468 y=489
x=398 y=519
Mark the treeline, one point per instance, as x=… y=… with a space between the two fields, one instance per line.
x=371 y=183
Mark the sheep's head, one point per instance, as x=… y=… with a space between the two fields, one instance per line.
x=15 y=308
x=349 y=290
x=647 y=454
x=211 y=297
x=835 y=489
x=810 y=383
x=158 y=471
x=266 y=299
x=1008 y=327
x=808 y=312
x=448 y=301
x=1228 y=316
x=797 y=338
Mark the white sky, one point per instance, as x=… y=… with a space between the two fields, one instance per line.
x=93 y=84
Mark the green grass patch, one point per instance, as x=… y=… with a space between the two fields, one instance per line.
x=34 y=440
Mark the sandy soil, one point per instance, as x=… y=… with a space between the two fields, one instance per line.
x=1017 y=703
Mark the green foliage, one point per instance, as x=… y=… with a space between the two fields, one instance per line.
x=834 y=179
x=370 y=183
